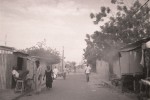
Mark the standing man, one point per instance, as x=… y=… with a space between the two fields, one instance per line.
x=55 y=71
x=64 y=72
x=87 y=72
x=38 y=77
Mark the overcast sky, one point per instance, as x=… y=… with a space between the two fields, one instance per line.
x=60 y=22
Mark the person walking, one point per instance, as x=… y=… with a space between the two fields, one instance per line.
x=64 y=72
x=87 y=72
x=38 y=77
x=55 y=71
x=48 y=74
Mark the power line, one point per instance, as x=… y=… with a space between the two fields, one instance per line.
x=141 y=25
x=141 y=7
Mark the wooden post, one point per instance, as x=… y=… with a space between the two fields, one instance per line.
x=63 y=59
x=119 y=64
x=0 y=72
x=5 y=65
x=144 y=61
x=3 y=71
x=129 y=61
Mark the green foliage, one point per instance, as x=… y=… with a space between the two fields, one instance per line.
x=125 y=27
x=113 y=1
x=70 y=64
x=91 y=51
x=51 y=56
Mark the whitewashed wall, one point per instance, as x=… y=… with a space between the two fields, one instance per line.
x=102 y=69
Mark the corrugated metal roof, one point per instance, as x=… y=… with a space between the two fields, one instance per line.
x=20 y=53
x=7 y=48
x=135 y=45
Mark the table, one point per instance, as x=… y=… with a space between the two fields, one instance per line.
x=146 y=91
x=146 y=82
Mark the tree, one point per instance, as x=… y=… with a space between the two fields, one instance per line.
x=125 y=26
x=91 y=52
x=51 y=56
x=126 y=23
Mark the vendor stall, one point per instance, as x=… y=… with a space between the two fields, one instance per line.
x=145 y=82
x=144 y=89
x=134 y=62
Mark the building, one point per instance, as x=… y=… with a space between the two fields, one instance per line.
x=130 y=59
x=9 y=57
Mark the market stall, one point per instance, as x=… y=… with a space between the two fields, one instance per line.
x=134 y=62
x=145 y=82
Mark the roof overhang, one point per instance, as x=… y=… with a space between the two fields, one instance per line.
x=18 y=53
x=6 y=48
x=136 y=45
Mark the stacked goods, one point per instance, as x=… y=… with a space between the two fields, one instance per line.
x=127 y=82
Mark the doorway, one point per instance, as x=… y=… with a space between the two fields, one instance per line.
x=19 y=63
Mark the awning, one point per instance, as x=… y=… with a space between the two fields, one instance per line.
x=18 y=53
x=136 y=45
x=6 y=48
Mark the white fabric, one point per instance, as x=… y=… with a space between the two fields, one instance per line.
x=39 y=71
x=39 y=79
x=148 y=44
x=87 y=69
x=15 y=73
x=55 y=71
x=54 y=75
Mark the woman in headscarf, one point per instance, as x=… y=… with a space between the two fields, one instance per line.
x=38 y=77
x=49 y=79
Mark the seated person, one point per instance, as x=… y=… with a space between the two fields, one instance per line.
x=22 y=75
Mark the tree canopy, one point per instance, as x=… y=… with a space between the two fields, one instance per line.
x=51 y=56
x=127 y=25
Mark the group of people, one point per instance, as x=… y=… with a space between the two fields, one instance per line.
x=38 y=77
x=49 y=75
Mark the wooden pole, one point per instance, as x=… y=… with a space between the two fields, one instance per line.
x=5 y=68
x=62 y=58
x=3 y=71
x=129 y=61
x=144 y=61
x=1 y=74
x=119 y=64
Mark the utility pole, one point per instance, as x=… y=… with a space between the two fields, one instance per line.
x=62 y=58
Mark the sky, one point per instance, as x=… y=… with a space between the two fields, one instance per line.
x=62 y=23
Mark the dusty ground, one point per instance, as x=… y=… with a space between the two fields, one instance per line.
x=75 y=87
